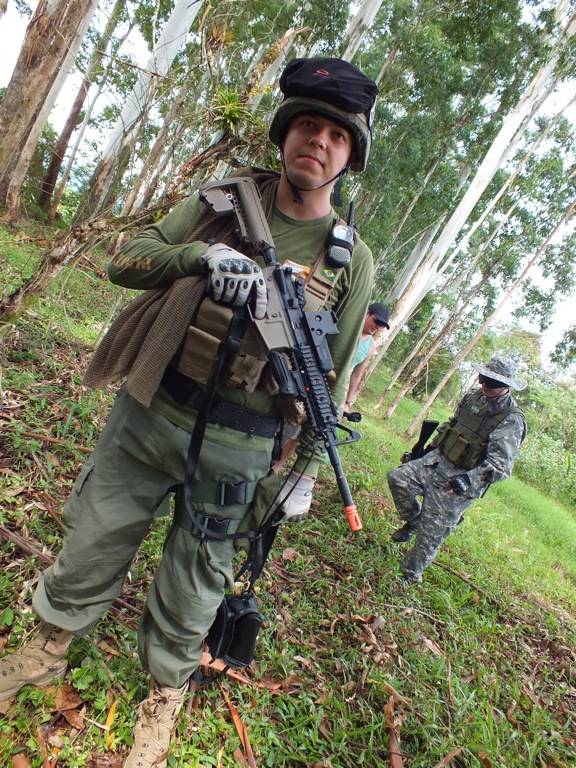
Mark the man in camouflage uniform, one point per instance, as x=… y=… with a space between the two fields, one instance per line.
x=323 y=130
x=475 y=448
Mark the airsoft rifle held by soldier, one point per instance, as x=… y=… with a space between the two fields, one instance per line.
x=296 y=339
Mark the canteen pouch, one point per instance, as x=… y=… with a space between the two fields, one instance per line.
x=232 y=636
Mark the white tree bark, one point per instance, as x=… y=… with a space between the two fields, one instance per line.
x=359 y=25
x=513 y=126
x=407 y=213
x=123 y=136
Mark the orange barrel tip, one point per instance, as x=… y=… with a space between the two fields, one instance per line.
x=353 y=518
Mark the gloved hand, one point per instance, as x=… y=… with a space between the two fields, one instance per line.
x=296 y=495
x=233 y=278
x=459 y=484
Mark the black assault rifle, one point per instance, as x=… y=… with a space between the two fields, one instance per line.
x=288 y=331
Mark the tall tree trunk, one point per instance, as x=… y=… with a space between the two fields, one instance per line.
x=155 y=153
x=18 y=175
x=541 y=84
x=514 y=123
x=49 y=37
x=503 y=301
x=359 y=26
x=72 y=120
x=465 y=276
x=413 y=262
x=406 y=362
x=59 y=191
x=122 y=139
x=409 y=208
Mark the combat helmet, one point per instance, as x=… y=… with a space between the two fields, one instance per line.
x=335 y=89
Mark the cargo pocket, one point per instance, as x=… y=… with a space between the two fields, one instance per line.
x=84 y=475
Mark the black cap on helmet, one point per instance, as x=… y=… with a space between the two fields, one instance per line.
x=333 y=88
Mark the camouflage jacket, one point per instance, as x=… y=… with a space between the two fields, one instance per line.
x=503 y=446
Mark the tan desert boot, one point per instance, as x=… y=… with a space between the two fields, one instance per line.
x=157 y=716
x=38 y=662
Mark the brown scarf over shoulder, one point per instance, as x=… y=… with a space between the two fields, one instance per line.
x=147 y=333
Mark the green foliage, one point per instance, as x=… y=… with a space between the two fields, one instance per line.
x=227 y=111
x=545 y=463
x=565 y=350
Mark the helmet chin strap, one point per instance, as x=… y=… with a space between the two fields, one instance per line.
x=297 y=191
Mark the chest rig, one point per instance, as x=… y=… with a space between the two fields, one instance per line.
x=248 y=367
x=464 y=442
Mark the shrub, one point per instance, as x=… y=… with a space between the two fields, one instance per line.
x=545 y=463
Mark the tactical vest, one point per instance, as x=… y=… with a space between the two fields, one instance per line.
x=248 y=367
x=464 y=443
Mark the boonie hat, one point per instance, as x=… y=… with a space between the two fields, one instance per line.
x=335 y=89
x=503 y=370
x=380 y=312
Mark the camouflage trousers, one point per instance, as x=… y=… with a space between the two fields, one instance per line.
x=139 y=460
x=435 y=517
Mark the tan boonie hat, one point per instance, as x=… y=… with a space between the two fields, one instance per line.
x=502 y=369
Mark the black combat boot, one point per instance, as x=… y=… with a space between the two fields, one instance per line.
x=404 y=534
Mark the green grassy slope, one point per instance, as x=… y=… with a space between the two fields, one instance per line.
x=477 y=663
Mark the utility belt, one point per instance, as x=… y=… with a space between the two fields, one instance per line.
x=185 y=391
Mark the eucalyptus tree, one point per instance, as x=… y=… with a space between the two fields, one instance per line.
x=547 y=131
x=531 y=262
x=121 y=140
x=116 y=61
x=511 y=129
x=52 y=38
x=92 y=71
x=533 y=240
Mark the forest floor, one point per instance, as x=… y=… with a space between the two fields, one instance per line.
x=475 y=668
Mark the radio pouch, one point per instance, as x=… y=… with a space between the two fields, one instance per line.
x=232 y=636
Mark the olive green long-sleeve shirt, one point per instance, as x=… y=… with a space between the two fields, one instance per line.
x=158 y=256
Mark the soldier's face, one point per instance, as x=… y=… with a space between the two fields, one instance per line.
x=492 y=388
x=315 y=150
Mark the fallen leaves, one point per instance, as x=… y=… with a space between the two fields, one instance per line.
x=485 y=760
x=394 y=725
x=20 y=761
x=102 y=760
x=109 y=740
x=290 y=554
x=448 y=759
x=398 y=698
x=432 y=646
x=241 y=729
x=66 y=698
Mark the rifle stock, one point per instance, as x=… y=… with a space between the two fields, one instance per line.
x=288 y=328
x=426 y=431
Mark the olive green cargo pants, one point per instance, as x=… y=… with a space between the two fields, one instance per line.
x=139 y=460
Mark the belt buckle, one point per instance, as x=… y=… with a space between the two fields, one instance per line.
x=226 y=495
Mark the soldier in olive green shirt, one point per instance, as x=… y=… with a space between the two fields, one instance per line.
x=323 y=129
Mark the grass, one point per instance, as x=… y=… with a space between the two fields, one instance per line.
x=479 y=661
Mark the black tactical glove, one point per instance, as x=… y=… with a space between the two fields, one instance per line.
x=459 y=484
